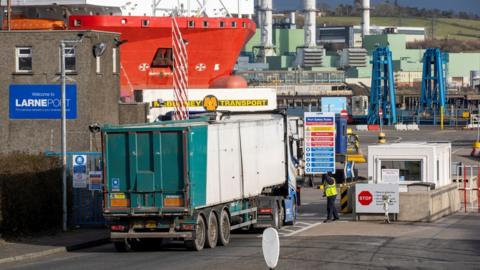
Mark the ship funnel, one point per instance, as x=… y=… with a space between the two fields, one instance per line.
x=310 y=23
x=365 y=19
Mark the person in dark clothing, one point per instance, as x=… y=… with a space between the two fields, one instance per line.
x=330 y=191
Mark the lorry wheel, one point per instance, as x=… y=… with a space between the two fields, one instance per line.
x=275 y=218
x=200 y=235
x=224 y=229
x=281 y=214
x=212 y=231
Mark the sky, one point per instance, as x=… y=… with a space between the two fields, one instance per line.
x=472 y=6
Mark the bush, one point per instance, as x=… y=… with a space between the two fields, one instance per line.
x=30 y=194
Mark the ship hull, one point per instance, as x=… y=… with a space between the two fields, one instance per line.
x=213 y=46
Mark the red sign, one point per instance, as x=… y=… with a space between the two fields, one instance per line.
x=365 y=197
x=313 y=134
x=321 y=139
x=319 y=123
x=316 y=144
x=380 y=112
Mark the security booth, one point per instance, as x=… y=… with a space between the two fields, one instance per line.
x=422 y=173
x=411 y=164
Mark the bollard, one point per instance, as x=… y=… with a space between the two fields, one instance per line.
x=344 y=199
x=381 y=137
x=476 y=149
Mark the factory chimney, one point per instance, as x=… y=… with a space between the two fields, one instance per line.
x=267 y=8
x=265 y=26
x=259 y=14
x=292 y=18
x=310 y=23
x=365 y=18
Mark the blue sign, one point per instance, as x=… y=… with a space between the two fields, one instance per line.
x=334 y=104
x=319 y=154
x=79 y=160
x=79 y=169
x=115 y=184
x=41 y=101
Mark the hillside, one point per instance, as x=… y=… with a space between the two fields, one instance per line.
x=444 y=27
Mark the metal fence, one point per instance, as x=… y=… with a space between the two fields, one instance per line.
x=87 y=198
x=292 y=77
x=466 y=177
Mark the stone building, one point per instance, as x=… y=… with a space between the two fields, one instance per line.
x=30 y=84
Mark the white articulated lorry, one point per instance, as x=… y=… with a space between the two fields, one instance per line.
x=199 y=179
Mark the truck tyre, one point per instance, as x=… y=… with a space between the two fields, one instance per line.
x=224 y=229
x=281 y=214
x=212 y=231
x=198 y=243
x=275 y=217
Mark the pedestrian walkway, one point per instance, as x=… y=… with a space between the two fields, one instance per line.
x=35 y=247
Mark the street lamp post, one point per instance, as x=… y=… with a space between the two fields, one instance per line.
x=64 y=137
x=63 y=79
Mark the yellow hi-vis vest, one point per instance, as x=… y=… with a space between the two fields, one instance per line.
x=330 y=190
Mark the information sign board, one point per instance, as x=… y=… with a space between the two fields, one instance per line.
x=41 y=101
x=369 y=198
x=79 y=171
x=319 y=154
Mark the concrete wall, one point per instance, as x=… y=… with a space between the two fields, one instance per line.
x=429 y=206
x=133 y=113
x=97 y=93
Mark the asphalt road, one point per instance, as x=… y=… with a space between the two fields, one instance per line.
x=451 y=243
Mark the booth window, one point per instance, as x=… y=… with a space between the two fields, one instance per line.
x=163 y=58
x=23 y=59
x=410 y=170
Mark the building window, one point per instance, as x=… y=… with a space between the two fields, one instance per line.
x=410 y=170
x=163 y=58
x=191 y=24
x=98 y=64
x=114 y=60
x=234 y=24
x=23 y=59
x=222 y=24
x=70 y=58
x=205 y=24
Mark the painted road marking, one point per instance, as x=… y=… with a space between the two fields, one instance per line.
x=303 y=229
x=288 y=231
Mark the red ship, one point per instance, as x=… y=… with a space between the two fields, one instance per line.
x=213 y=46
x=146 y=56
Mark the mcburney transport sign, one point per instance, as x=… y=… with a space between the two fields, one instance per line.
x=369 y=198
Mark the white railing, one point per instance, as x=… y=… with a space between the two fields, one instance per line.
x=466 y=177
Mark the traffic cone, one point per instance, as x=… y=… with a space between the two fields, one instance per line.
x=381 y=137
x=476 y=149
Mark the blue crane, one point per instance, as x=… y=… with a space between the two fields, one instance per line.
x=433 y=81
x=382 y=93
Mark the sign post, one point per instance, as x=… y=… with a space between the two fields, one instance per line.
x=79 y=171
x=319 y=152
